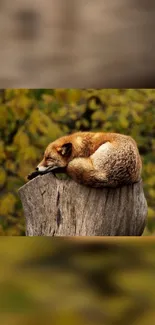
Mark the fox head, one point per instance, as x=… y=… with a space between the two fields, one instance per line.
x=56 y=156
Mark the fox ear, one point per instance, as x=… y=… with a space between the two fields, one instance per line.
x=66 y=149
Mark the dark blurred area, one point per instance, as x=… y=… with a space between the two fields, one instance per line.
x=77 y=281
x=77 y=43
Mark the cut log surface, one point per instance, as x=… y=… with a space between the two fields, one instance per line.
x=55 y=207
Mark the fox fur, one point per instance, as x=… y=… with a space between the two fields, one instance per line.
x=95 y=159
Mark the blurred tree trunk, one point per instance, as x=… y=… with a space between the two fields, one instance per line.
x=55 y=207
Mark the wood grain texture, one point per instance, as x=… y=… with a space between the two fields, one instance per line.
x=55 y=207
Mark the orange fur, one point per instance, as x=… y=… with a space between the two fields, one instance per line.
x=96 y=159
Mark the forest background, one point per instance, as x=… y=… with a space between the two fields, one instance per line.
x=31 y=118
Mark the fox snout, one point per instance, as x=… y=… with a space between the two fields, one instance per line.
x=48 y=169
x=43 y=168
x=47 y=165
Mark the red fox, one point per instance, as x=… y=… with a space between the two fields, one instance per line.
x=94 y=159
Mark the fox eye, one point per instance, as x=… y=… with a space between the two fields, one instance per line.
x=49 y=158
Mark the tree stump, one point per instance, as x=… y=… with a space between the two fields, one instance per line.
x=55 y=207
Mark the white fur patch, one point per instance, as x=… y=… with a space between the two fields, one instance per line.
x=42 y=168
x=104 y=148
x=101 y=155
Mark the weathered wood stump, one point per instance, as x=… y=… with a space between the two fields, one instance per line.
x=55 y=207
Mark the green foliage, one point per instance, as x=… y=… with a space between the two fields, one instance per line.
x=31 y=118
x=64 y=281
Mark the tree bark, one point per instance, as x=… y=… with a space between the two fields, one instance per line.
x=55 y=207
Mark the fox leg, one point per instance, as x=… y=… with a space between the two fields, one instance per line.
x=83 y=171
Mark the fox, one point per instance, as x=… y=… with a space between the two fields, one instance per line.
x=96 y=159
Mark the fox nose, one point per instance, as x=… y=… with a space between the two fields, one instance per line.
x=37 y=168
